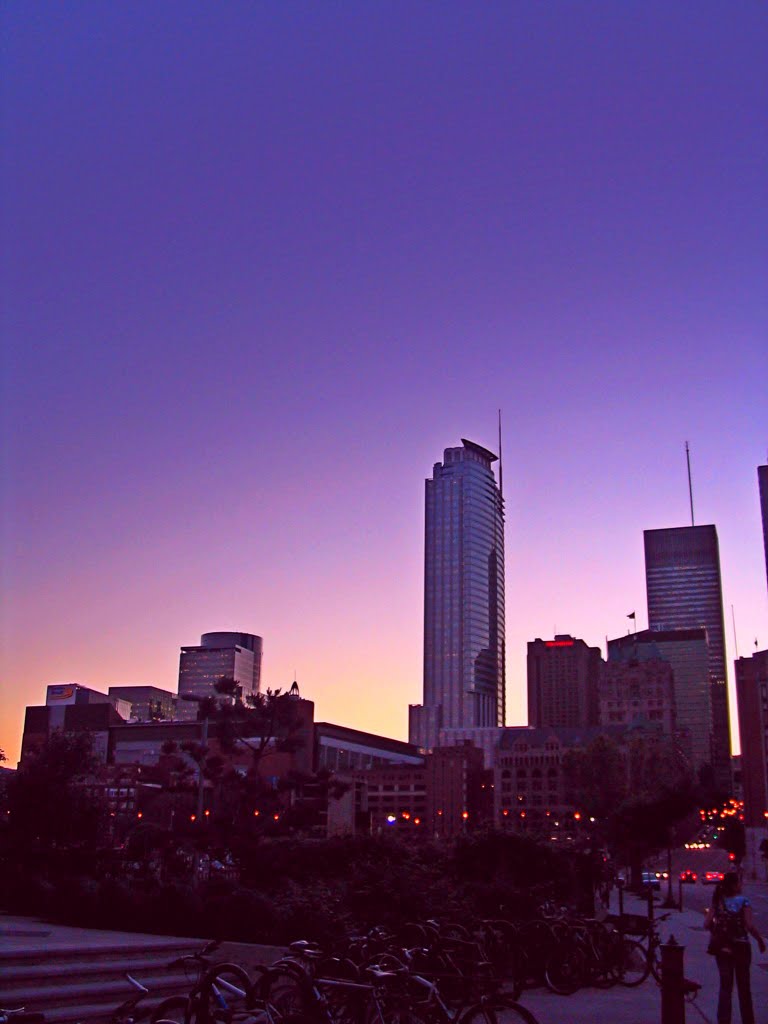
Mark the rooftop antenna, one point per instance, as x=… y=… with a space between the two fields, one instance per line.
x=690 y=485
x=501 y=471
x=735 y=641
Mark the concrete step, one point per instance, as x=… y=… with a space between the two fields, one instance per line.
x=95 y=1013
x=38 y=995
x=87 y=982
x=88 y=970
x=153 y=950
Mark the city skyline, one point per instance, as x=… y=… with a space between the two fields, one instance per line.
x=266 y=264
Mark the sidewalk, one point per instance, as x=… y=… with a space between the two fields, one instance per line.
x=642 y=1005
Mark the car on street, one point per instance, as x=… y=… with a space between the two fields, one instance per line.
x=688 y=876
x=651 y=880
x=712 y=877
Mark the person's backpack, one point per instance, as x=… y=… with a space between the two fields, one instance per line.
x=728 y=927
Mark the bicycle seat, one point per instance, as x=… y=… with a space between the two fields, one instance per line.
x=306 y=948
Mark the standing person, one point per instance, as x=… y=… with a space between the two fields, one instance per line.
x=731 y=923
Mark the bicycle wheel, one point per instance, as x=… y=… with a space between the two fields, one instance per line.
x=175 y=1008
x=634 y=967
x=289 y=991
x=504 y=1008
x=478 y=1014
x=564 y=970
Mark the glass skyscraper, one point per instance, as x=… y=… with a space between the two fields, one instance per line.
x=682 y=577
x=463 y=597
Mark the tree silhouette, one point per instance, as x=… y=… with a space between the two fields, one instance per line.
x=47 y=798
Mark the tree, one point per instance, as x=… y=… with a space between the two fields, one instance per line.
x=597 y=780
x=638 y=792
x=48 y=800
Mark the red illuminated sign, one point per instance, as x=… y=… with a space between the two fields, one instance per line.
x=558 y=643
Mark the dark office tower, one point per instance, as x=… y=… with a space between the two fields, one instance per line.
x=563 y=680
x=752 y=701
x=234 y=655
x=762 y=482
x=463 y=598
x=682 y=578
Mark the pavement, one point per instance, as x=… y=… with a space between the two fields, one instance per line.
x=641 y=1005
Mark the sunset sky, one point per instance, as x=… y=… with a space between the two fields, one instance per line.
x=264 y=261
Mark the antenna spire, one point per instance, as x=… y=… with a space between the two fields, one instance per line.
x=690 y=485
x=501 y=470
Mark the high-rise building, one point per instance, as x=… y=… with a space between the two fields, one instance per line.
x=687 y=653
x=563 y=676
x=762 y=483
x=233 y=655
x=682 y=577
x=463 y=597
x=752 y=701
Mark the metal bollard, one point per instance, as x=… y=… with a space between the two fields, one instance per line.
x=672 y=978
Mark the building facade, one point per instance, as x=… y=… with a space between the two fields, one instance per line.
x=530 y=788
x=464 y=647
x=447 y=794
x=633 y=691
x=687 y=653
x=563 y=678
x=148 y=703
x=682 y=575
x=232 y=655
x=752 y=700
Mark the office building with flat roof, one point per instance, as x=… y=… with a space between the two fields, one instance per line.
x=563 y=678
x=220 y=655
x=682 y=575
x=463 y=597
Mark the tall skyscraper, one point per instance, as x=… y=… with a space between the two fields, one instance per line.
x=762 y=483
x=235 y=655
x=463 y=597
x=563 y=678
x=682 y=578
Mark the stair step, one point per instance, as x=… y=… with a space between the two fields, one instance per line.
x=107 y=993
x=95 y=1013
x=91 y=970
x=10 y=959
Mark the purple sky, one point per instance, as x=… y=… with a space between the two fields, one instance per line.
x=263 y=261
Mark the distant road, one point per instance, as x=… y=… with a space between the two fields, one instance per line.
x=699 y=897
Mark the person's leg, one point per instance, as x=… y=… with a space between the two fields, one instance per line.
x=742 y=961
x=725 y=968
